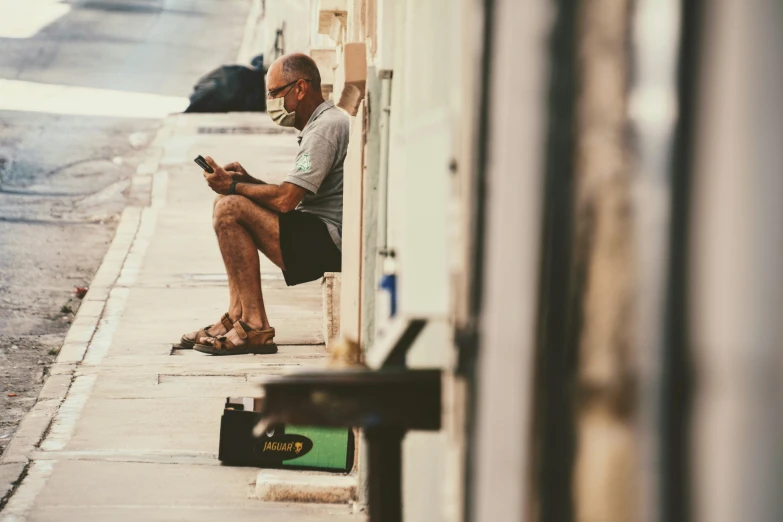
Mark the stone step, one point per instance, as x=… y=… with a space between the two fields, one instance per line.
x=282 y=485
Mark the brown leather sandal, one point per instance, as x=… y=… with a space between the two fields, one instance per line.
x=255 y=341
x=186 y=343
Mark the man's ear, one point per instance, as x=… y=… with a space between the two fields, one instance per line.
x=303 y=86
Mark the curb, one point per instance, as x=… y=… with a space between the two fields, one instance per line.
x=34 y=427
x=302 y=486
x=58 y=405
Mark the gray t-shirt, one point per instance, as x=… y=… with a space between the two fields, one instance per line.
x=319 y=167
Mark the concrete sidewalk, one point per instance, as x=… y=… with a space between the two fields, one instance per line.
x=125 y=427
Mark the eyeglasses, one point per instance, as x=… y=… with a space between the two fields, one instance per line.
x=272 y=93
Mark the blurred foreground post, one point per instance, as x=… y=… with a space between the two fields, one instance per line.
x=604 y=480
x=736 y=274
x=659 y=114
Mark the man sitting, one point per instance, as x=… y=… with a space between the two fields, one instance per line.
x=296 y=224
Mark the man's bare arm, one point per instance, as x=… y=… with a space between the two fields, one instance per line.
x=239 y=173
x=279 y=198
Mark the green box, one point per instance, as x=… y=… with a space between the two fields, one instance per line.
x=282 y=446
x=332 y=448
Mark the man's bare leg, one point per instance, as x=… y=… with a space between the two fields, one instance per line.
x=235 y=305
x=243 y=228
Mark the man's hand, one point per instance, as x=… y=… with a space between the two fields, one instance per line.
x=220 y=180
x=239 y=173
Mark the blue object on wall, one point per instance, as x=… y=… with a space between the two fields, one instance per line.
x=389 y=283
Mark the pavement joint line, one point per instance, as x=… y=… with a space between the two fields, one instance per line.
x=172 y=457
x=188 y=375
x=25 y=493
x=11 y=486
x=70 y=410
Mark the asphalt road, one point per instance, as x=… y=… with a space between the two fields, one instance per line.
x=65 y=165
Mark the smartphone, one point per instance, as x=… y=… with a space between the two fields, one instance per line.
x=201 y=162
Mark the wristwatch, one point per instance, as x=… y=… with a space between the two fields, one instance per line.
x=233 y=189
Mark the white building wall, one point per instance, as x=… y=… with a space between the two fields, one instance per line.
x=420 y=42
x=426 y=74
x=293 y=17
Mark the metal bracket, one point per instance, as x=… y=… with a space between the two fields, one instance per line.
x=392 y=349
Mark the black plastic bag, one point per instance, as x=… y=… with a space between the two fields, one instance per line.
x=231 y=88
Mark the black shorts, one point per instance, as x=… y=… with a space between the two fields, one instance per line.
x=307 y=247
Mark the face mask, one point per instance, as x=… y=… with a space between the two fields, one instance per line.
x=276 y=110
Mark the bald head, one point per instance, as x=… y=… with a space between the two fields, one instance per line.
x=294 y=66
x=302 y=97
